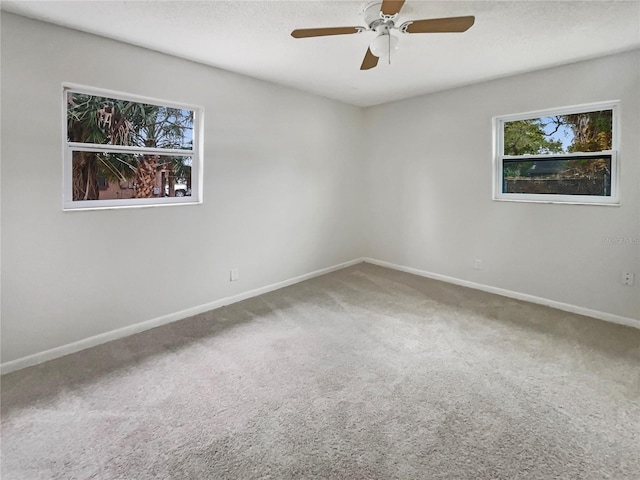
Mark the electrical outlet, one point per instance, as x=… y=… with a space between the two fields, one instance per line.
x=234 y=275
x=627 y=278
x=477 y=264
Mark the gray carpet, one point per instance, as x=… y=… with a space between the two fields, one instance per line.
x=365 y=373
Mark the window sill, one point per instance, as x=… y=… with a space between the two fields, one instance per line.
x=120 y=207
x=559 y=202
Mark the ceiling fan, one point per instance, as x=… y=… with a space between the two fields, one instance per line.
x=380 y=17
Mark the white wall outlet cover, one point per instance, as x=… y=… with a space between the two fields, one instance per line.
x=234 y=275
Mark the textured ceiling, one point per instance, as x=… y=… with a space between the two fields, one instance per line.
x=253 y=38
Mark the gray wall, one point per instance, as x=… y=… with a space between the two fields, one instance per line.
x=429 y=191
x=281 y=180
x=293 y=183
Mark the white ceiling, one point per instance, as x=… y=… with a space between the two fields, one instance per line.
x=253 y=38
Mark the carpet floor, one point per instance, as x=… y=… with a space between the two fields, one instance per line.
x=364 y=373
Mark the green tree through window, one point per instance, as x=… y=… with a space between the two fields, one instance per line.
x=101 y=120
x=561 y=154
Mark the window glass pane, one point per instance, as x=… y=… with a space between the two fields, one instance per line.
x=580 y=132
x=573 y=176
x=111 y=121
x=112 y=176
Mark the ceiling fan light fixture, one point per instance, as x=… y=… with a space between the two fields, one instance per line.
x=384 y=44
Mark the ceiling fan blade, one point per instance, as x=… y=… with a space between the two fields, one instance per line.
x=321 y=32
x=440 y=25
x=370 y=61
x=391 y=7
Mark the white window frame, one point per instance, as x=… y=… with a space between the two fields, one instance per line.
x=196 y=154
x=499 y=157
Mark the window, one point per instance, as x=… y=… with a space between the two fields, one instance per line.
x=126 y=151
x=567 y=155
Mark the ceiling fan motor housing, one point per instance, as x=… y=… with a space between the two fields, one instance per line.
x=374 y=17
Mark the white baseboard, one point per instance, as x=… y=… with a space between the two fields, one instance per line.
x=85 y=343
x=608 y=317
